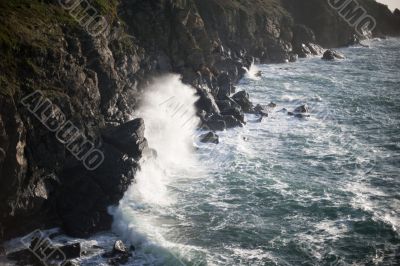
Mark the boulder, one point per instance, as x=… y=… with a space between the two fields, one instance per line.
x=209 y=137
x=119 y=247
x=261 y=110
x=315 y=48
x=293 y=57
x=304 y=51
x=231 y=121
x=206 y=102
x=128 y=137
x=242 y=98
x=71 y=251
x=216 y=125
x=225 y=85
x=332 y=55
x=302 y=109
x=235 y=112
x=119 y=254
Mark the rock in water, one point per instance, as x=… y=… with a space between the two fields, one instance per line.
x=231 y=121
x=261 y=110
x=209 y=137
x=302 y=109
x=243 y=99
x=119 y=254
x=119 y=247
x=128 y=137
x=332 y=55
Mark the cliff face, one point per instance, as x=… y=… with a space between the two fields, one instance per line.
x=96 y=81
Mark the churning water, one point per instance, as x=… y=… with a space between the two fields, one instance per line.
x=323 y=190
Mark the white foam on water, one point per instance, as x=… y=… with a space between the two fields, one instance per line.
x=170 y=118
x=253 y=72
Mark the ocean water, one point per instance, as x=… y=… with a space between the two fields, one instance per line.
x=323 y=190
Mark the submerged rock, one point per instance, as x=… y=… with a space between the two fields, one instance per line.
x=209 y=137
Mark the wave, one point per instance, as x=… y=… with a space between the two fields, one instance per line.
x=170 y=116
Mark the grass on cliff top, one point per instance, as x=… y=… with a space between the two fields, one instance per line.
x=35 y=25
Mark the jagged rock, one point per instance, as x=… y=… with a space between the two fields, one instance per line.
x=206 y=102
x=293 y=57
x=235 y=112
x=332 y=55
x=209 y=137
x=71 y=251
x=119 y=255
x=216 y=125
x=261 y=110
x=119 y=247
x=242 y=98
x=231 y=121
x=128 y=138
x=315 y=48
x=225 y=86
x=302 y=109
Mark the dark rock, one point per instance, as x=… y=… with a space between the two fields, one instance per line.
x=71 y=251
x=302 y=109
x=301 y=35
x=293 y=58
x=225 y=86
x=236 y=112
x=209 y=137
x=304 y=51
x=216 y=125
x=332 y=55
x=283 y=110
x=231 y=121
x=119 y=254
x=128 y=138
x=315 y=48
x=242 y=98
x=206 y=102
x=263 y=110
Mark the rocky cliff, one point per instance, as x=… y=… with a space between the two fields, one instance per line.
x=95 y=83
